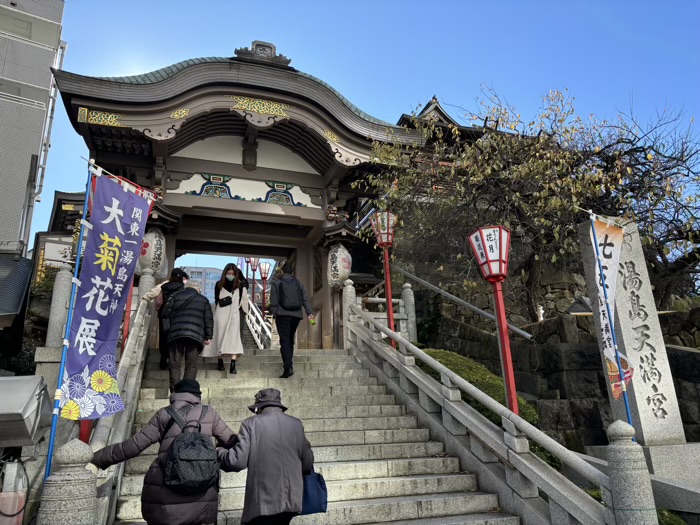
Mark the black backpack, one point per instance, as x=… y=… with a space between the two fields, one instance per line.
x=191 y=465
x=290 y=294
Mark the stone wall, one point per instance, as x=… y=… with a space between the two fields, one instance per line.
x=561 y=370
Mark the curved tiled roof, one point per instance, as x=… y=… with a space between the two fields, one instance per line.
x=166 y=72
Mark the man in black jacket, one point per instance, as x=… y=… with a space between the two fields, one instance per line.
x=191 y=326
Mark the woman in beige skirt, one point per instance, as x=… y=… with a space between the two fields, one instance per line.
x=230 y=297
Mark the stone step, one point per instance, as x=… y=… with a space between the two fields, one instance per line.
x=241 y=381
x=273 y=358
x=338 y=372
x=267 y=365
x=341 y=424
x=304 y=412
x=294 y=400
x=357 y=437
x=289 y=390
x=132 y=484
x=488 y=518
x=335 y=453
x=304 y=351
x=129 y=507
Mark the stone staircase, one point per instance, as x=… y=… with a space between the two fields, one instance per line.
x=379 y=466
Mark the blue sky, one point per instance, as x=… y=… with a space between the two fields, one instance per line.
x=389 y=56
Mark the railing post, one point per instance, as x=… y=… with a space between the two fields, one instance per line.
x=517 y=443
x=146 y=282
x=409 y=304
x=349 y=299
x=630 y=485
x=59 y=306
x=70 y=493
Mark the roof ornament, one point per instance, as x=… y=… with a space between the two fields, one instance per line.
x=262 y=52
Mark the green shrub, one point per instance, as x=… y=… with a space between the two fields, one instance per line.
x=483 y=379
x=666 y=517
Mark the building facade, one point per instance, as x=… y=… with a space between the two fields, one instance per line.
x=30 y=45
x=205 y=279
x=250 y=157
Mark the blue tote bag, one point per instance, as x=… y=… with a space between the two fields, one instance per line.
x=315 y=494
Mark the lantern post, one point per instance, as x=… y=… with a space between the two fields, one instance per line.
x=239 y=263
x=247 y=267
x=264 y=274
x=254 y=266
x=383 y=225
x=491 y=247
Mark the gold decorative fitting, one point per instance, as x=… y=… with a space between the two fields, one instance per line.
x=103 y=118
x=82 y=114
x=264 y=107
x=180 y=113
x=331 y=136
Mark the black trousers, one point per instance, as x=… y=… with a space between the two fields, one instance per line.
x=163 y=345
x=287 y=330
x=277 y=519
x=188 y=350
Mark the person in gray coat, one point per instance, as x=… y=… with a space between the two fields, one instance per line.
x=159 y=504
x=274 y=449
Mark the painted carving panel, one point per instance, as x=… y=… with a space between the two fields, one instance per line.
x=225 y=187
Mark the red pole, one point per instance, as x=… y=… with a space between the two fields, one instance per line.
x=85 y=430
x=389 y=294
x=127 y=315
x=263 y=303
x=504 y=342
x=254 y=272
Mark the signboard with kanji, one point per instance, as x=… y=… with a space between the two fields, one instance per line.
x=117 y=224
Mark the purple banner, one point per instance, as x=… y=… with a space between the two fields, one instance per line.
x=118 y=220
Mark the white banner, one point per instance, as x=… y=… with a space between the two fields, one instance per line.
x=609 y=239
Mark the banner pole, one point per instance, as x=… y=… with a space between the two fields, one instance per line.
x=62 y=367
x=623 y=386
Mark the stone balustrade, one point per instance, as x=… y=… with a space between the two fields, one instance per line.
x=501 y=455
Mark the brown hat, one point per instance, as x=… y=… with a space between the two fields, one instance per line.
x=267 y=397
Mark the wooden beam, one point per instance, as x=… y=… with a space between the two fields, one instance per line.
x=188 y=165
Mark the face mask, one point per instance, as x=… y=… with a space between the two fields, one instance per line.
x=229 y=277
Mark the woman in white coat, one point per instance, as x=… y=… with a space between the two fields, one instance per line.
x=230 y=297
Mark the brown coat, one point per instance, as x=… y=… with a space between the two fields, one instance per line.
x=160 y=505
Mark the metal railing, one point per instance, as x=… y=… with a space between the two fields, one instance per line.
x=258 y=327
x=461 y=302
x=116 y=429
x=506 y=445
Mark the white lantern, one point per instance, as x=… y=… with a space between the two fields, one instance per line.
x=152 y=252
x=339 y=264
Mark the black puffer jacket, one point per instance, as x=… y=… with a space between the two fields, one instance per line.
x=190 y=316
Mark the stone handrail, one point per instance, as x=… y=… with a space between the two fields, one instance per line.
x=483 y=446
x=117 y=428
x=258 y=327
x=461 y=302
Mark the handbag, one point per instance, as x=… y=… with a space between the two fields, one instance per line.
x=226 y=301
x=315 y=494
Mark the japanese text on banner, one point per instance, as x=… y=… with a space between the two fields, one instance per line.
x=118 y=220
x=610 y=240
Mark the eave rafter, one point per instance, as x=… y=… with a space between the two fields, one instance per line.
x=162 y=122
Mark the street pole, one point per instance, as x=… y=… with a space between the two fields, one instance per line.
x=504 y=344
x=388 y=293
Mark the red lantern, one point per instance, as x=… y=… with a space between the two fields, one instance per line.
x=254 y=266
x=491 y=246
x=383 y=224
